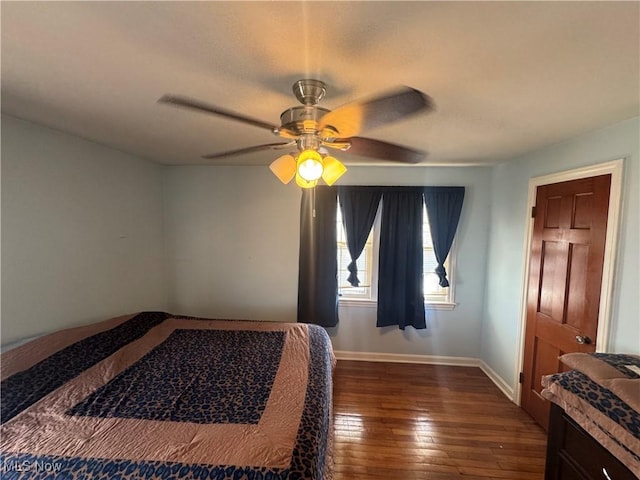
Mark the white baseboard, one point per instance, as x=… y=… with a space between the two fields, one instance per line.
x=429 y=360
x=498 y=381
x=407 y=358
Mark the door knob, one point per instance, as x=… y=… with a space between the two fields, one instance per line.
x=583 y=340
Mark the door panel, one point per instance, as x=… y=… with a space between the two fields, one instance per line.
x=547 y=361
x=577 y=285
x=581 y=211
x=565 y=276
x=552 y=217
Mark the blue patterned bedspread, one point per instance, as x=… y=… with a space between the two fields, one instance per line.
x=195 y=389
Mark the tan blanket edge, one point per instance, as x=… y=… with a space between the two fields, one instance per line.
x=594 y=368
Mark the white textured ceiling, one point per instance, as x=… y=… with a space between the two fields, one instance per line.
x=506 y=77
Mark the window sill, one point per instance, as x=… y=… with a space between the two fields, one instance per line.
x=354 y=302
x=440 y=306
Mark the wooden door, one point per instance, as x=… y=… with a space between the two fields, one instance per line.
x=565 y=277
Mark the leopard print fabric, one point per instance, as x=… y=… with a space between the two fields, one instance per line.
x=600 y=398
x=25 y=388
x=620 y=362
x=211 y=362
x=308 y=460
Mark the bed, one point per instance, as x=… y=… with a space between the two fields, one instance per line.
x=153 y=395
x=594 y=427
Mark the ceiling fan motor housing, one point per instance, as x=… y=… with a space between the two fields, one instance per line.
x=302 y=119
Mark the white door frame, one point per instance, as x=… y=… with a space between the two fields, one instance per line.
x=613 y=167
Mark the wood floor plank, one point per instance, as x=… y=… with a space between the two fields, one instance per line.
x=405 y=421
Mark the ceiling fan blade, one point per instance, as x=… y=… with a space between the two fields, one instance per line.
x=180 y=101
x=369 y=147
x=354 y=117
x=256 y=148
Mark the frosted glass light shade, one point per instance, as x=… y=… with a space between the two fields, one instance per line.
x=310 y=165
x=284 y=168
x=333 y=170
x=301 y=182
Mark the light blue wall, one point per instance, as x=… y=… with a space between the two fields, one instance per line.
x=501 y=316
x=81 y=232
x=231 y=238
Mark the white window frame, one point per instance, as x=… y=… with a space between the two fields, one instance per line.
x=371 y=300
x=446 y=301
x=450 y=266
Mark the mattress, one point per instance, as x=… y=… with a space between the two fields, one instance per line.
x=159 y=396
x=602 y=394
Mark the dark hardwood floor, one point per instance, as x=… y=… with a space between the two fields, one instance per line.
x=406 y=421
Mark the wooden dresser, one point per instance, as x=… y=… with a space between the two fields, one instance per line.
x=573 y=454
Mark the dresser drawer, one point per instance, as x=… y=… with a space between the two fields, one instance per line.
x=589 y=455
x=572 y=454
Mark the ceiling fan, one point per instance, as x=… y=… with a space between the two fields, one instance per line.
x=313 y=129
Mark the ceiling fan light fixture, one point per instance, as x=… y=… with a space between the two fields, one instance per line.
x=310 y=166
x=333 y=170
x=301 y=182
x=284 y=168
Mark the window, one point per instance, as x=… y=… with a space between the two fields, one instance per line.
x=433 y=292
x=367 y=264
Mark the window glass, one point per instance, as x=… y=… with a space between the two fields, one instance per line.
x=367 y=266
x=364 y=264
x=433 y=292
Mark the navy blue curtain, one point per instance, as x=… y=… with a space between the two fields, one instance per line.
x=444 y=205
x=318 y=265
x=400 y=279
x=359 y=206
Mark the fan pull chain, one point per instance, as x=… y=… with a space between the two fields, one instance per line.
x=313 y=202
